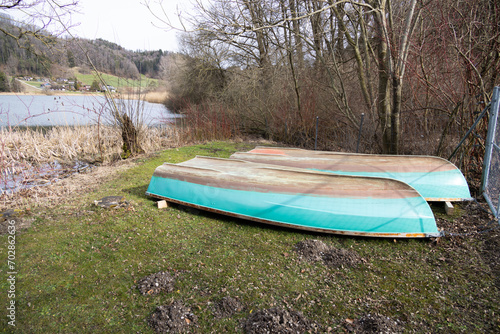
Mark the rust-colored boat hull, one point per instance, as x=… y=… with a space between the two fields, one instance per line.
x=434 y=178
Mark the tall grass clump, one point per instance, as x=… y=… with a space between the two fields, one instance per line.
x=90 y=143
x=26 y=154
x=156 y=97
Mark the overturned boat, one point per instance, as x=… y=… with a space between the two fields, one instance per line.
x=436 y=179
x=296 y=198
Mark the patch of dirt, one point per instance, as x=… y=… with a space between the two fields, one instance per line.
x=278 y=321
x=475 y=219
x=339 y=257
x=311 y=249
x=476 y=222
x=173 y=318
x=375 y=323
x=317 y=250
x=227 y=307
x=156 y=283
x=12 y=221
x=112 y=202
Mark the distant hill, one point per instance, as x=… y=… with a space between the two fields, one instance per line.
x=28 y=56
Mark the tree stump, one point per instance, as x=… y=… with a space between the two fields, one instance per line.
x=130 y=138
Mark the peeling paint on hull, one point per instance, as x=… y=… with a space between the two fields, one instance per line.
x=434 y=178
x=291 y=197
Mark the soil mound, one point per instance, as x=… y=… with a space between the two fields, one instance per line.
x=226 y=307
x=375 y=323
x=317 y=250
x=311 y=249
x=277 y=321
x=156 y=283
x=173 y=318
x=338 y=257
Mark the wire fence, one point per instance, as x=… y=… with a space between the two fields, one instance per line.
x=491 y=172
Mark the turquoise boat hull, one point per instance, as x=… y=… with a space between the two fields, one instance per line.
x=313 y=201
x=434 y=178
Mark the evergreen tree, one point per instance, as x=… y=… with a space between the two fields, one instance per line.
x=4 y=83
x=95 y=86
x=71 y=59
x=15 y=85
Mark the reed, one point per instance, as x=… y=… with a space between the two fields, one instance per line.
x=69 y=143
x=25 y=154
x=151 y=97
x=156 y=97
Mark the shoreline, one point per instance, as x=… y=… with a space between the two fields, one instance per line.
x=41 y=93
x=158 y=97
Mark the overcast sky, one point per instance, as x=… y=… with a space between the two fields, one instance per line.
x=128 y=23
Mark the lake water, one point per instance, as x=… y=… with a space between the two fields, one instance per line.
x=43 y=110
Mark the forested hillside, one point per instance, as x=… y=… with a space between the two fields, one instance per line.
x=49 y=56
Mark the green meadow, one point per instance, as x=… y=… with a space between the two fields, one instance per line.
x=78 y=264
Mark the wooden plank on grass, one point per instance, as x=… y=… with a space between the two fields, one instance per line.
x=448 y=207
x=162 y=204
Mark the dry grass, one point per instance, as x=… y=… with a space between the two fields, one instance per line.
x=87 y=143
x=156 y=97
x=25 y=153
x=151 y=97
x=64 y=190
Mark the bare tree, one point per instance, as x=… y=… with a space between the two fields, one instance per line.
x=455 y=70
x=361 y=54
x=40 y=19
x=45 y=20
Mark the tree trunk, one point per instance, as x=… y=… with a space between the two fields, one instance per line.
x=384 y=82
x=317 y=31
x=296 y=34
x=257 y=17
x=384 y=108
x=130 y=138
x=397 y=92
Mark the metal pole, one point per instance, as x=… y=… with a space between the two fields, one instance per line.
x=316 y=139
x=359 y=133
x=470 y=131
x=267 y=130
x=490 y=138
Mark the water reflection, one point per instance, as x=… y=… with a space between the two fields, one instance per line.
x=42 y=110
x=24 y=176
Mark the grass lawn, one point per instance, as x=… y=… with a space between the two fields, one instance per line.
x=77 y=266
x=110 y=79
x=115 y=81
x=36 y=84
